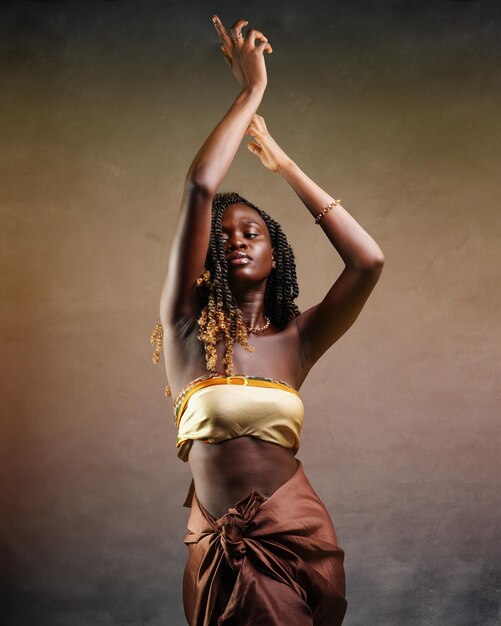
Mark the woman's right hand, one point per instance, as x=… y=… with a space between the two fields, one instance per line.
x=264 y=146
x=245 y=55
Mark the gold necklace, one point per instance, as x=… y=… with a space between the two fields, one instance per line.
x=259 y=329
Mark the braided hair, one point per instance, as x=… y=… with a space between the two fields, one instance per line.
x=218 y=315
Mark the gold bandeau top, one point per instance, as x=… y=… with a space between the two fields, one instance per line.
x=215 y=407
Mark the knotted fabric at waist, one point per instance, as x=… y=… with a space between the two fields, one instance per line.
x=288 y=537
x=233 y=528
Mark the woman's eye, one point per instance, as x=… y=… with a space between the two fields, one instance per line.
x=225 y=239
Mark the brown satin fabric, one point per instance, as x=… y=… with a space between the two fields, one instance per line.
x=266 y=562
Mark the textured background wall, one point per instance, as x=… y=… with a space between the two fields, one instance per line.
x=392 y=106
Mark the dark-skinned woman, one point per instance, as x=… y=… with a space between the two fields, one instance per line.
x=262 y=547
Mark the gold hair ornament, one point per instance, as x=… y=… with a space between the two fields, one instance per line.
x=157 y=339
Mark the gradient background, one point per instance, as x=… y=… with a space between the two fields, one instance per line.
x=393 y=106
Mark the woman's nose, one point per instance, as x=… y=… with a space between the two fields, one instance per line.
x=236 y=242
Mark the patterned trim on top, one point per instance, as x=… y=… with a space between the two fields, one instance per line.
x=218 y=379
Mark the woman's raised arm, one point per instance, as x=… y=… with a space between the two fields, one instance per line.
x=210 y=165
x=323 y=324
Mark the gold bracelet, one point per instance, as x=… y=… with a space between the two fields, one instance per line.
x=324 y=211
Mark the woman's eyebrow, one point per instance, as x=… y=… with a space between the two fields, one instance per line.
x=245 y=222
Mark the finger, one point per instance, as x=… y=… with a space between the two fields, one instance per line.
x=228 y=50
x=256 y=129
x=254 y=147
x=256 y=124
x=264 y=128
x=253 y=35
x=226 y=54
x=236 y=32
x=221 y=30
x=265 y=48
x=239 y=24
x=252 y=129
x=227 y=57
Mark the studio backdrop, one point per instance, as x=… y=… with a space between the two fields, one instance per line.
x=392 y=106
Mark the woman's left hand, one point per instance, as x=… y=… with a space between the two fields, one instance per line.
x=230 y=49
x=227 y=47
x=265 y=147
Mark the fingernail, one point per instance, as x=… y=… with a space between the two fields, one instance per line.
x=214 y=19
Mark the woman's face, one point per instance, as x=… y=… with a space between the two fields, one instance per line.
x=246 y=236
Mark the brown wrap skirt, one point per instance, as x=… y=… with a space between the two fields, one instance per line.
x=266 y=562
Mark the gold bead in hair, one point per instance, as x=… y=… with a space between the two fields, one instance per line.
x=204 y=278
x=157 y=338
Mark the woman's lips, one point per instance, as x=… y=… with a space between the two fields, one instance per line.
x=243 y=260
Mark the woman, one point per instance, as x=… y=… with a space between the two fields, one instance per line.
x=262 y=547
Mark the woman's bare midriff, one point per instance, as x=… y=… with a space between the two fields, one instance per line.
x=227 y=471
